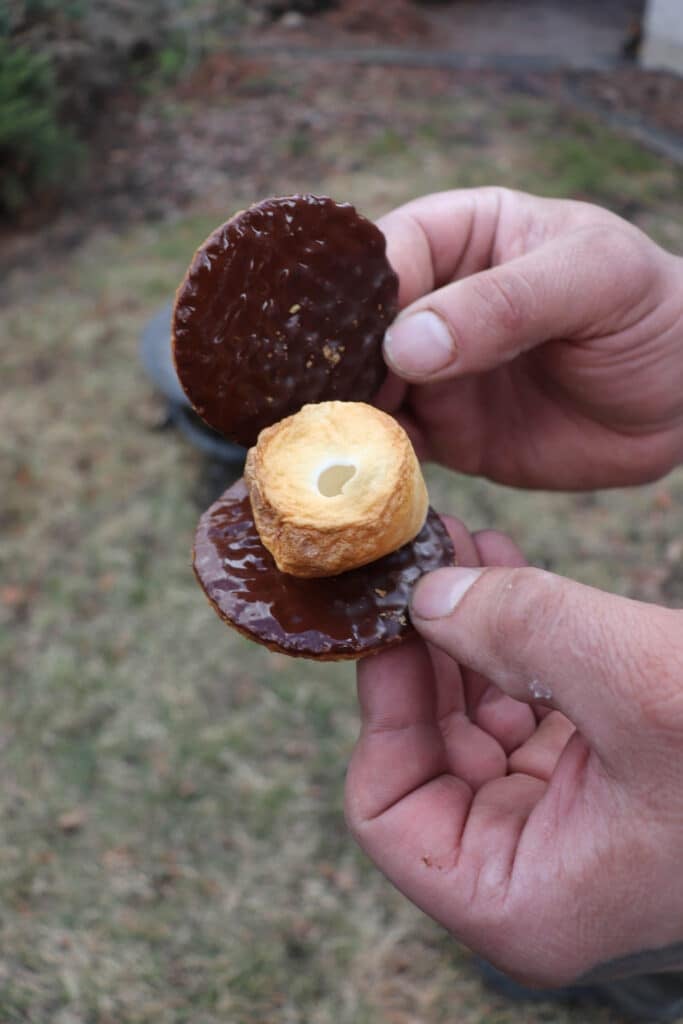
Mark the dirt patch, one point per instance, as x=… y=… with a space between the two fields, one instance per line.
x=357 y=23
x=654 y=97
x=580 y=32
x=396 y=21
x=254 y=123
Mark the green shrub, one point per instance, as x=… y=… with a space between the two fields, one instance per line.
x=62 y=60
x=36 y=151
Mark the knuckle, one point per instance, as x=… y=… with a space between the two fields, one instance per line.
x=616 y=242
x=505 y=298
x=654 y=671
x=352 y=818
x=530 y=603
x=637 y=658
x=356 y=814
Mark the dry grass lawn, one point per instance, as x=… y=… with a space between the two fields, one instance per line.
x=172 y=845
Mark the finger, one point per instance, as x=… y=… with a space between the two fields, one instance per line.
x=416 y=840
x=417 y=436
x=472 y=753
x=453 y=854
x=446 y=672
x=466 y=552
x=539 y=636
x=446 y=236
x=400 y=745
x=509 y=720
x=401 y=803
x=498 y=549
x=391 y=394
x=396 y=689
x=566 y=288
x=402 y=695
x=390 y=398
x=489 y=842
x=539 y=755
x=439 y=237
x=449 y=852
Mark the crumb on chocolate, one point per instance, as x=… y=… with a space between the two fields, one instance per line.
x=331 y=355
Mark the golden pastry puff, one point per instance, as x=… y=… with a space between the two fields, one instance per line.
x=333 y=487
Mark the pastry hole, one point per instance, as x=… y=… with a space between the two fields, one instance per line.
x=332 y=480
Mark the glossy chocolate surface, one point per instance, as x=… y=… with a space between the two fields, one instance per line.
x=285 y=304
x=345 y=616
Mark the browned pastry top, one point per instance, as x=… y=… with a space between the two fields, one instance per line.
x=345 y=616
x=283 y=305
x=334 y=486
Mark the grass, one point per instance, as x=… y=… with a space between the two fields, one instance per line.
x=590 y=159
x=206 y=875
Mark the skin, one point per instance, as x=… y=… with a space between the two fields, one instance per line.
x=563 y=318
x=546 y=834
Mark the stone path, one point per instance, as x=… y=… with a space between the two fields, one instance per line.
x=517 y=36
x=463 y=34
x=582 y=33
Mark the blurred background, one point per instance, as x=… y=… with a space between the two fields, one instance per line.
x=172 y=844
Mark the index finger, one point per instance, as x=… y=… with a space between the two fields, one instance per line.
x=440 y=237
x=445 y=236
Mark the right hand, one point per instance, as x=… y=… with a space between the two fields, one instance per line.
x=542 y=343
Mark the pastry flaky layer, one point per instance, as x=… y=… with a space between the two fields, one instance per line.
x=333 y=487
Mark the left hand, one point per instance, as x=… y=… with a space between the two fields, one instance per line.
x=550 y=850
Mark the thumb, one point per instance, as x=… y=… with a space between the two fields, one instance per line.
x=560 y=290
x=538 y=636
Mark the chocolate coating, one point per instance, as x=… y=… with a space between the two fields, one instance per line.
x=285 y=304
x=345 y=616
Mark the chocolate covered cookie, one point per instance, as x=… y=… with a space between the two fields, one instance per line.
x=329 y=619
x=285 y=304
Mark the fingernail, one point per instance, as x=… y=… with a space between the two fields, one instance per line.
x=439 y=593
x=419 y=344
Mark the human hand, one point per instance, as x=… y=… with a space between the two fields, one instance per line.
x=555 y=359
x=555 y=852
